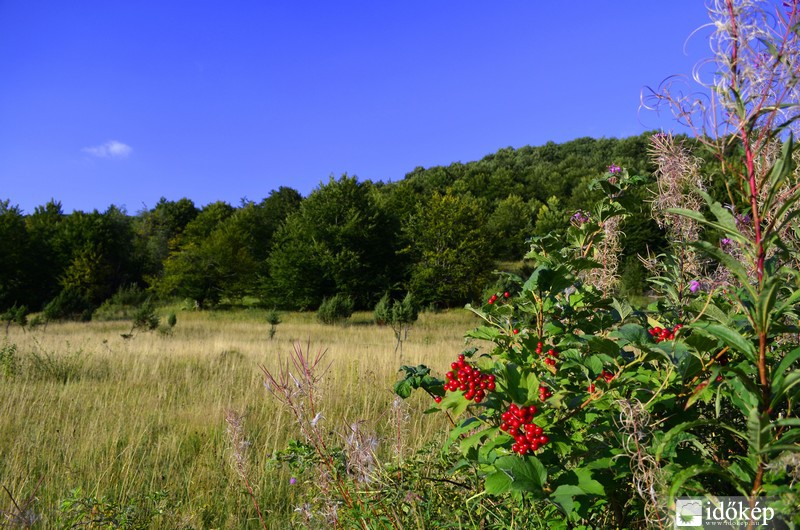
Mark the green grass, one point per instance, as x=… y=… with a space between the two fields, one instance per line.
x=121 y=418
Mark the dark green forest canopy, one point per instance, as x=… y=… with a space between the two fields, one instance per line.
x=438 y=231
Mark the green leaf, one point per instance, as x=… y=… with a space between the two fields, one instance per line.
x=730 y=337
x=594 y=364
x=786 y=384
x=527 y=474
x=402 y=388
x=484 y=333
x=711 y=311
x=564 y=496
x=623 y=309
x=758 y=430
x=744 y=388
x=731 y=263
x=780 y=372
x=766 y=302
x=667 y=441
x=632 y=333
x=603 y=345
x=472 y=441
x=680 y=478
x=532 y=382
x=586 y=483
x=513 y=384
x=455 y=402
x=700 y=218
x=498 y=483
x=781 y=169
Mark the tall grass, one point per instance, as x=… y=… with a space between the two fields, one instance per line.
x=119 y=418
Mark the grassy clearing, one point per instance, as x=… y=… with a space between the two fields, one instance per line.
x=118 y=418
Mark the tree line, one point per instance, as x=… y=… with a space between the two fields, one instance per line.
x=438 y=232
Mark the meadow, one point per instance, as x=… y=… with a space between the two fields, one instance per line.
x=110 y=424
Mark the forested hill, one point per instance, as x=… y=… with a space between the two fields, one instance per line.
x=438 y=232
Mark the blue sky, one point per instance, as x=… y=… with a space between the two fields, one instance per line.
x=122 y=102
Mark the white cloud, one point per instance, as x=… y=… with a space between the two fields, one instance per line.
x=110 y=149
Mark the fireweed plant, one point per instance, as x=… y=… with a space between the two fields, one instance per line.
x=602 y=415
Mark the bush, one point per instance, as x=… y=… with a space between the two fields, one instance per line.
x=149 y=510
x=16 y=315
x=273 y=319
x=122 y=305
x=335 y=310
x=69 y=304
x=8 y=359
x=400 y=315
x=49 y=366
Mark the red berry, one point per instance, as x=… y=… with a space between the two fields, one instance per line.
x=437 y=399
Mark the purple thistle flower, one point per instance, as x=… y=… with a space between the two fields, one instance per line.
x=694 y=286
x=292 y=481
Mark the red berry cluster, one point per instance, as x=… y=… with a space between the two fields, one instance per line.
x=661 y=334
x=544 y=393
x=517 y=422
x=605 y=375
x=469 y=380
x=494 y=297
x=553 y=354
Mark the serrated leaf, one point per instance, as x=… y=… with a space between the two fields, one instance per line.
x=512 y=381
x=553 y=328
x=594 y=364
x=455 y=402
x=402 y=388
x=632 y=333
x=603 y=345
x=587 y=484
x=475 y=439
x=564 y=496
x=623 y=308
x=527 y=474
x=484 y=333
x=497 y=483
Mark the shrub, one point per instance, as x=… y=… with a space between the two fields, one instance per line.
x=69 y=304
x=8 y=359
x=151 y=510
x=145 y=318
x=16 y=315
x=122 y=305
x=335 y=310
x=273 y=319
x=43 y=365
x=400 y=315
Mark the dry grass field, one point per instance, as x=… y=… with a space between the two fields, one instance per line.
x=83 y=408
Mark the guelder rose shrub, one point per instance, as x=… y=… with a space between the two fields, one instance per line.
x=601 y=414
